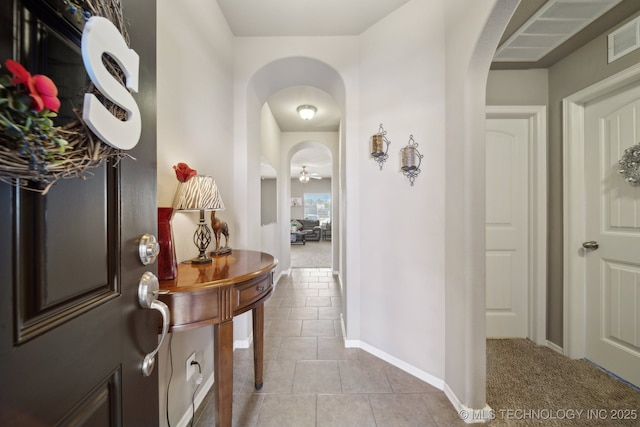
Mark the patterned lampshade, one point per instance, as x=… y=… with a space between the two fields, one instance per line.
x=198 y=193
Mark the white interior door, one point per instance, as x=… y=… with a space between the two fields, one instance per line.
x=613 y=221
x=507 y=173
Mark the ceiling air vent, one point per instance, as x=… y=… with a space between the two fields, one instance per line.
x=553 y=24
x=624 y=40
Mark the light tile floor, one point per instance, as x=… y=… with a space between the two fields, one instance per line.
x=310 y=379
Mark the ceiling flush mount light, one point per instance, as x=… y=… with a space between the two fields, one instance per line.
x=304 y=175
x=411 y=159
x=307 y=112
x=380 y=146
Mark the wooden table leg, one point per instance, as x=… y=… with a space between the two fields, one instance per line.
x=258 y=343
x=223 y=372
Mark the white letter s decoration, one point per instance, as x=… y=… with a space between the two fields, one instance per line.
x=100 y=36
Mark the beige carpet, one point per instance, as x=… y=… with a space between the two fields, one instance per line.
x=530 y=385
x=311 y=255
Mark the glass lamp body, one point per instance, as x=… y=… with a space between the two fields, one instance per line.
x=167 y=264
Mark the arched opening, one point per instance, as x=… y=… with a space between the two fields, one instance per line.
x=297 y=74
x=466 y=81
x=311 y=193
x=465 y=343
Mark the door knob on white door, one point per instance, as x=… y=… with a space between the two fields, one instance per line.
x=591 y=245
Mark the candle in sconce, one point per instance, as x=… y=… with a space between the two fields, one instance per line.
x=377 y=147
x=409 y=156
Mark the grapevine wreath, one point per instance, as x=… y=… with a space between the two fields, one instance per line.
x=35 y=154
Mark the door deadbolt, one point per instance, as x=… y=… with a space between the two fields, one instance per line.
x=148 y=249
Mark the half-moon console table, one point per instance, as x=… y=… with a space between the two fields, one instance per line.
x=211 y=294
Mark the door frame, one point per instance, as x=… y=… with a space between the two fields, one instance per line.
x=537 y=221
x=573 y=110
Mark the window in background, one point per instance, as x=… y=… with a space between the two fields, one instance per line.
x=317 y=206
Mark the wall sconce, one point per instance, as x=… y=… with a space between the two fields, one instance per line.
x=380 y=146
x=411 y=159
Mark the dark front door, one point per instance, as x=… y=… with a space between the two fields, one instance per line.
x=72 y=333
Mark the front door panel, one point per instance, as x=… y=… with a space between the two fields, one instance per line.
x=72 y=333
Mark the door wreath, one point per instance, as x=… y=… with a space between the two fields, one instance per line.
x=35 y=154
x=630 y=165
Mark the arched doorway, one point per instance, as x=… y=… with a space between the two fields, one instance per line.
x=267 y=81
x=312 y=203
x=468 y=68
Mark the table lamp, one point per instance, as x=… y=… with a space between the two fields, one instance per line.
x=199 y=193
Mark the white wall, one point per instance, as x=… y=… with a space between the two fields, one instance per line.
x=271 y=241
x=419 y=71
x=395 y=73
x=194 y=112
x=473 y=30
x=270 y=138
x=402 y=227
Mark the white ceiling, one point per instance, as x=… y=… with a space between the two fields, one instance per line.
x=283 y=105
x=283 y=18
x=268 y=18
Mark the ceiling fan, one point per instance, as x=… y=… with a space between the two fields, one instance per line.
x=305 y=176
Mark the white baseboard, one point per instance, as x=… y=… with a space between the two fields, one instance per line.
x=276 y=279
x=555 y=347
x=347 y=343
x=469 y=415
x=243 y=343
x=185 y=421
x=410 y=369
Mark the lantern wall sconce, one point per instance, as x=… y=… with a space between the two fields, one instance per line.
x=380 y=146
x=411 y=160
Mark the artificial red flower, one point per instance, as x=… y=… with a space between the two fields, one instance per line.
x=42 y=90
x=22 y=76
x=44 y=93
x=183 y=172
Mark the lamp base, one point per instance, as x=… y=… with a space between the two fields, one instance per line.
x=201 y=260
x=202 y=238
